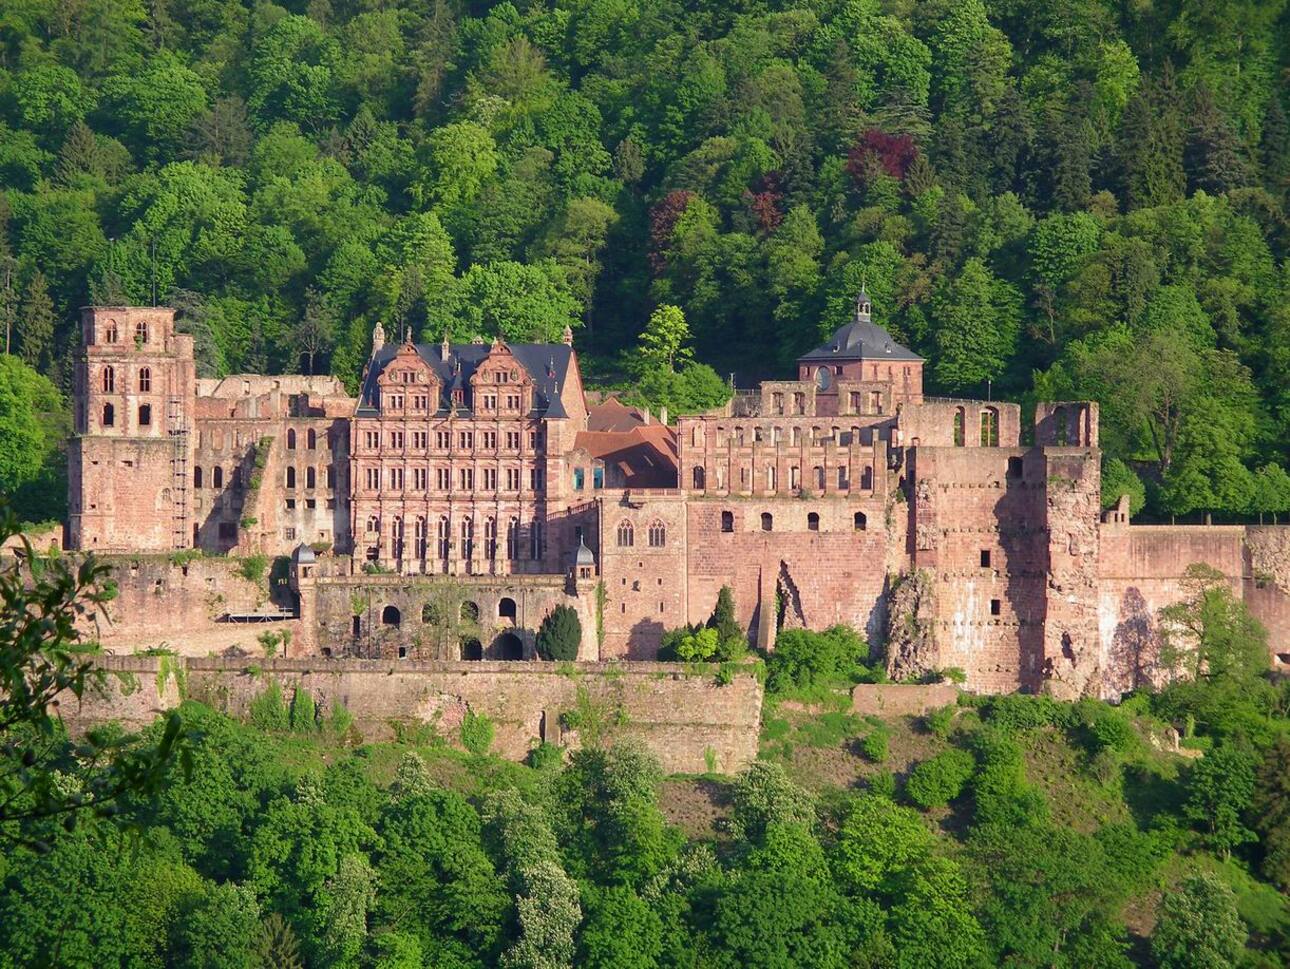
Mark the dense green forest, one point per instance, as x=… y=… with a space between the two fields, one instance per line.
x=1009 y=831
x=1083 y=199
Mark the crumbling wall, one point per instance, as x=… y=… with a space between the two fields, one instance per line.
x=911 y=626
x=691 y=722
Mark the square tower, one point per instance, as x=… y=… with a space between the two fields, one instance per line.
x=128 y=460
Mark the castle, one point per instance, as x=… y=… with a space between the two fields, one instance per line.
x=842 y=496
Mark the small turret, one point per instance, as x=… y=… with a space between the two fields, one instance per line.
x=862 y=306
x=567 y=337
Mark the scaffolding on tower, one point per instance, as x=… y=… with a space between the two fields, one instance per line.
x=177 y=423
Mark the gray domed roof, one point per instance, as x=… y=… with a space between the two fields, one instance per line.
x=583 y=556
x=303 y=555
x=860 y=339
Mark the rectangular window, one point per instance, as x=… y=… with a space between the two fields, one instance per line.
x=373 y=479
x=598 y=477
x=535 y=440
x=466 y=440
x=372 y=439
x=443 y=479
x=579 y=479
x=289 y=534
x=331 y=477
x=419 y=440
x=535 y=479
x=396 y=440
x=512 y=440
x=513 y=401
x=490 y=479
x=442 y=440
x=467 y=478
x=490 y=402
x=490 y=441
x=396 y=479
x=419 y=479
x=985 y=558
x=512 y=479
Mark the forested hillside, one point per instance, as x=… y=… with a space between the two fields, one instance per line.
x=1083 y=198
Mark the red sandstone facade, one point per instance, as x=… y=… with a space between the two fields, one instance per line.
x=844 y=496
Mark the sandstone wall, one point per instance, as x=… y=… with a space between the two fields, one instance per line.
x=684 y=718
x=897 y=699
x=165 y=602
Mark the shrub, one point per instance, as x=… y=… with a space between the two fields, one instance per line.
x=936 y=782
x=560 y=634
x=940 y=721
x=268 y=711
x=253 y=568
x=546 y=756
x=303 y=712
x=883 y=784
x=1104 y=728
x=476 y=733
x=803 y=660
x=1015 y=711
x=874 y=746
x=764 y=794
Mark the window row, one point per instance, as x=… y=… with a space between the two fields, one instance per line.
x=109 y=415
x=413 y=538
x=794 y=436
x=989 y=427
x=443 y=479
x=770 y=478
x=395 y=401
x=310 y=477
x=112 y=334
x=107 y=381
x=311 y=439
x=445 y=440
x=859 y=521
x=656 y=534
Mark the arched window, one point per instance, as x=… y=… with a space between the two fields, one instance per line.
x=109 y=415
x=959 y=419
x=506 y=608
x=698 y=478
x=513 y=539
x=311 y=439
x=469 y=611
x=396 y=537
x=291 y=439
x=373 y=525
x=767 y=521
x=112 y=334
x=197 y=476
x=145 y=415
x=311 y=477
x=419 y=538
x=657 y=534
x=989 y=427
x=217 y=477
x=390 y=616
x=467 y=538
x=490 y=538
x=813 y=522
x=430 y=614
x=109 y=380
x=1061 y=424
x=291 y=477
x=145 y=379
x=861 y=522
x=626 y=535
x=141 y=332
x=770 y=477
x=443 y=537
x=472 y=649
x=727 y=521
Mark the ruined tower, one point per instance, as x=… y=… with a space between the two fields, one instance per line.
x=130 y=452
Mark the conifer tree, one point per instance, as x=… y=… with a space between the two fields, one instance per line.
x=35 y=327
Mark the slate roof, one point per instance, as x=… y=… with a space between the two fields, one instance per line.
x=546 y=363
x=860 y=340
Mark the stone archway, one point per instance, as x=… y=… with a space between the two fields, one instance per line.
x=508 y=646
x=472 y=649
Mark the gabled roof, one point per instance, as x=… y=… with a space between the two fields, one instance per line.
x=546 y=363
x=860 y=340
x=645 y=456
x=608 y=413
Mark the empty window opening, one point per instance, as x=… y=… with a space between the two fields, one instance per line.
x=813 y=522
x=109 y=415
x=985 y=558
x=727 y=521
x=861 y=522
x=390 y=616
x=996 y=607
x=506 y=608
x=1014 y=467
x=767 y=521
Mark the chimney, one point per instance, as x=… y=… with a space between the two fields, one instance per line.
x=662 y=416
x=644 y=415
